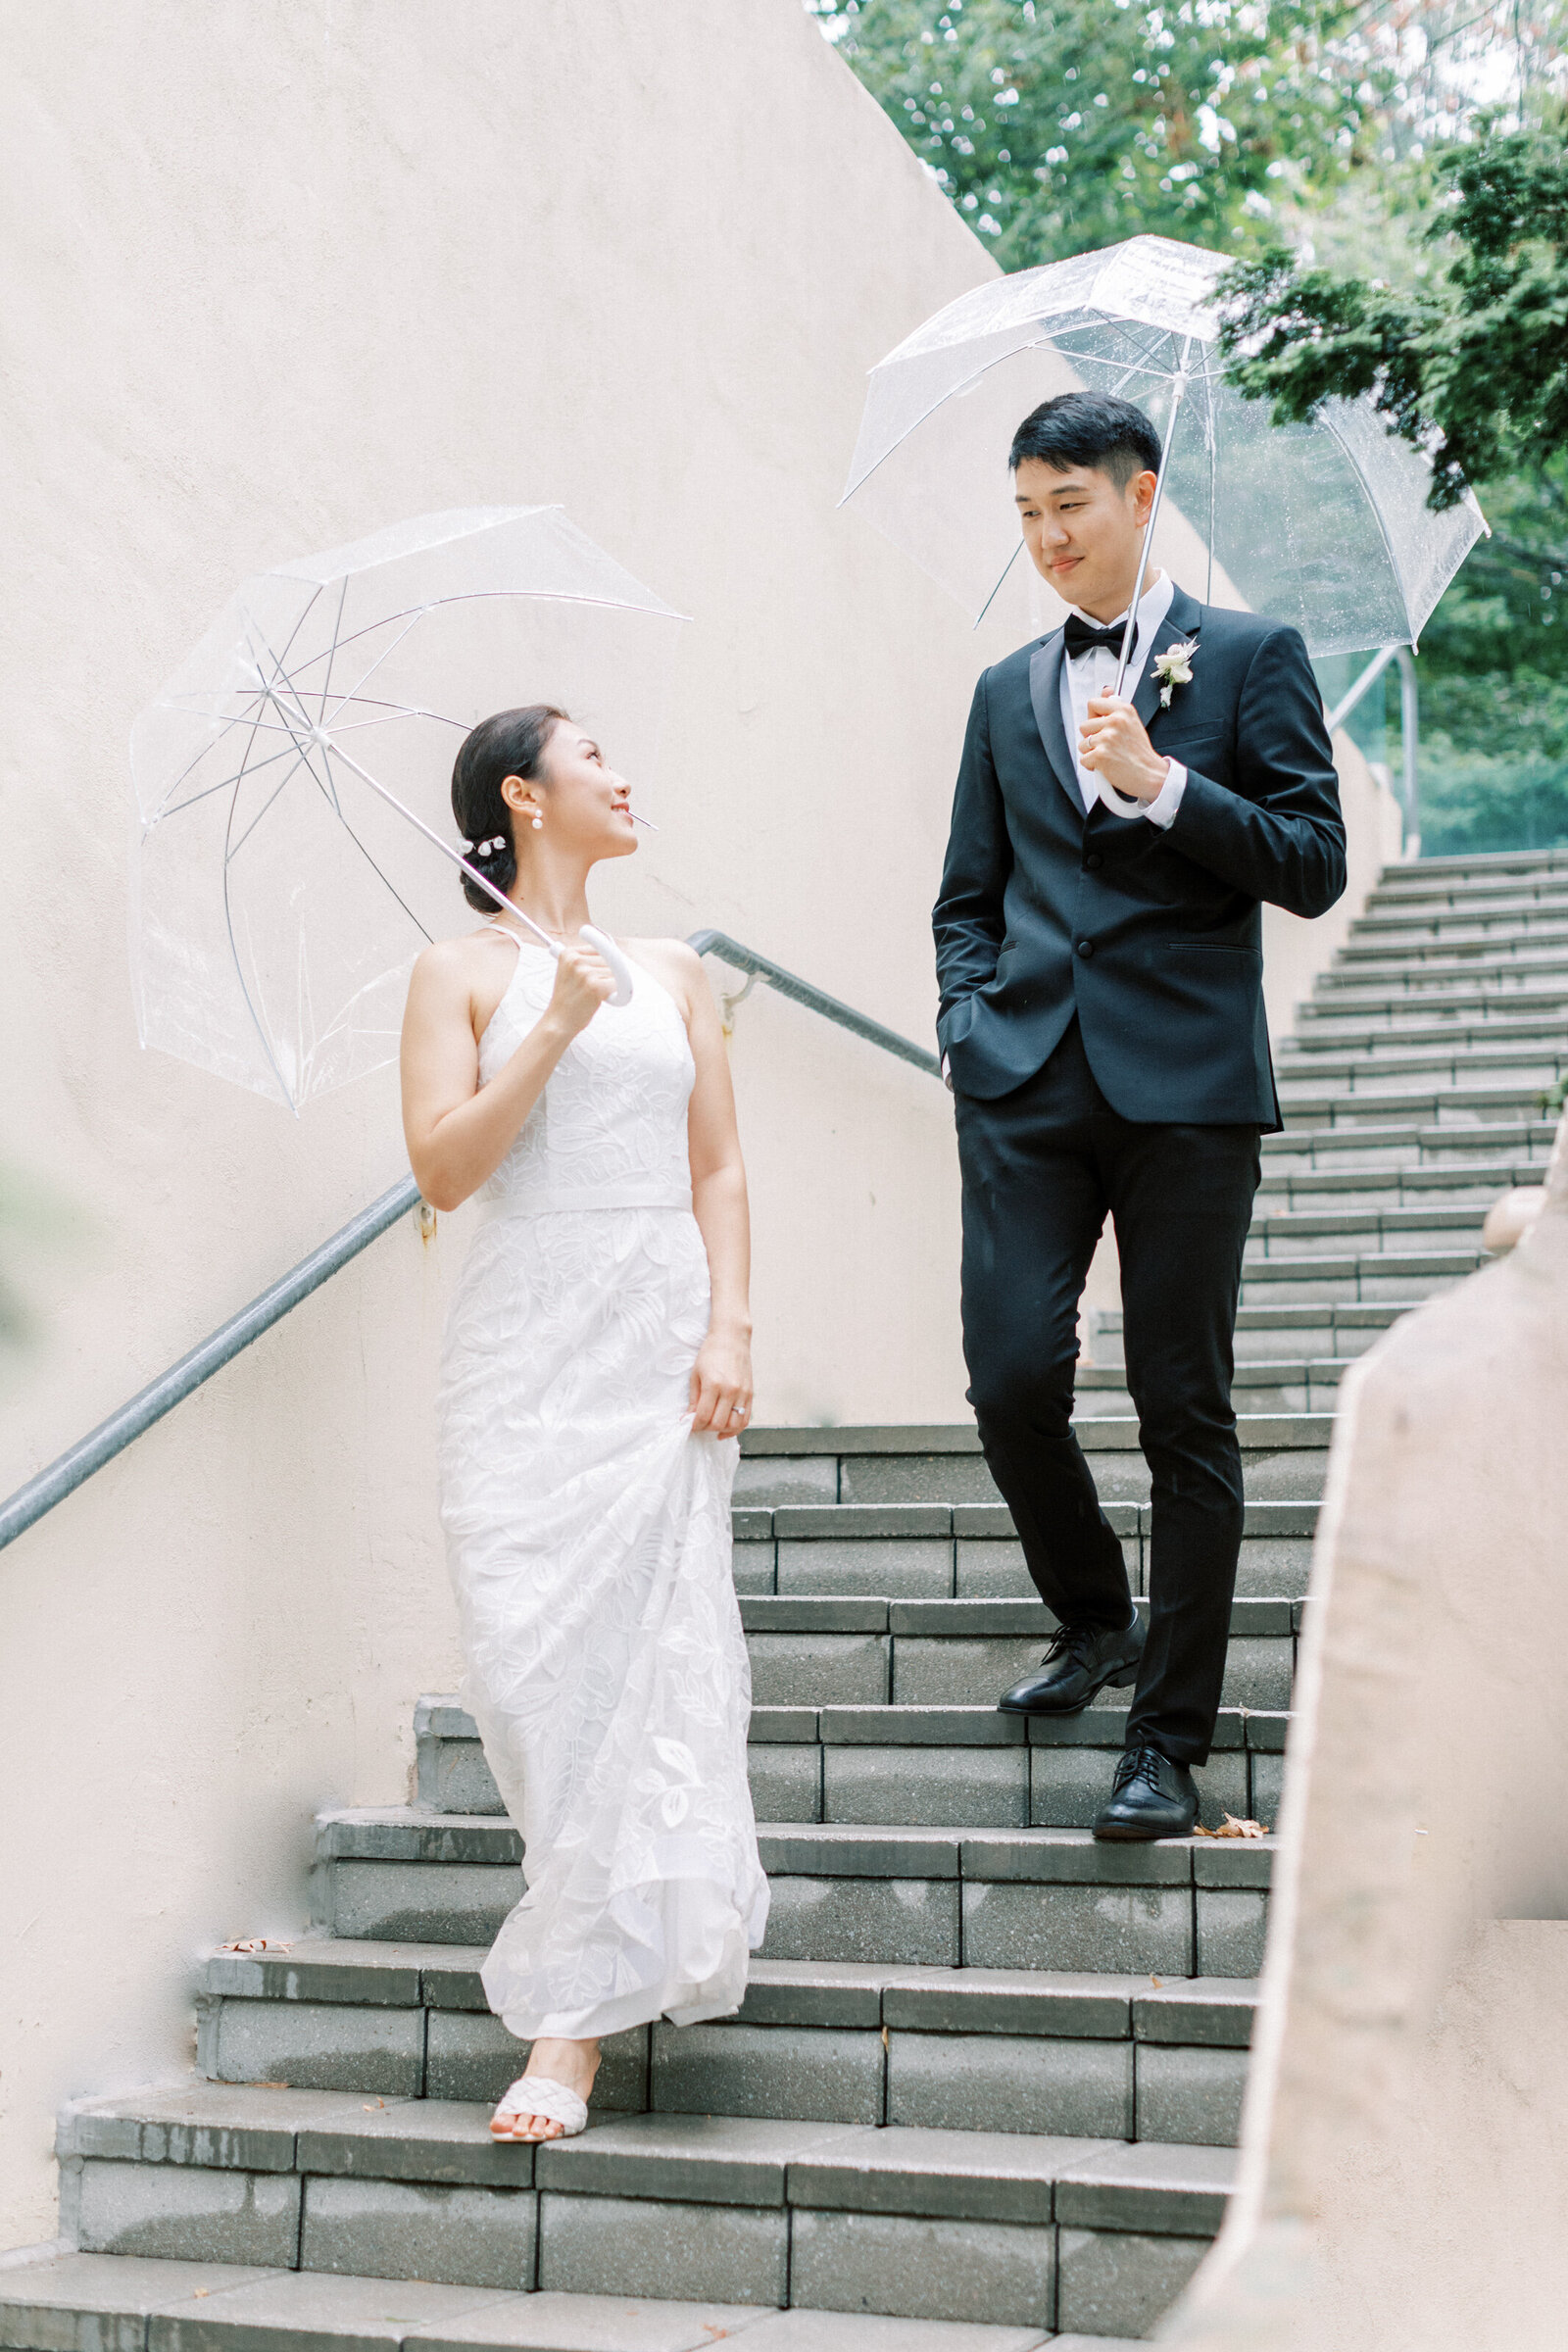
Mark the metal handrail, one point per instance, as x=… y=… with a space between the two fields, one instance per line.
x=29 y=1504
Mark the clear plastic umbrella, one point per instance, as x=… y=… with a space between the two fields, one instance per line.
x=1324 y=524
x=293 y=837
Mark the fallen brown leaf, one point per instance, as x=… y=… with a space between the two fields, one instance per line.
x=1232 y=1827
x=255 y=1943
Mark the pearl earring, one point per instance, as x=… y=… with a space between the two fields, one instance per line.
x=538 y=824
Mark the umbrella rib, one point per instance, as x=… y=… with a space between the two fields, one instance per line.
x=475 y=596
x=368 y=859
x=301 y=759
x=247 y=768
x=337 y=627
x=997 y=590
x=244 y=988
x=239 y=718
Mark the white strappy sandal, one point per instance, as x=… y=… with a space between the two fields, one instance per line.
x=540 y=2094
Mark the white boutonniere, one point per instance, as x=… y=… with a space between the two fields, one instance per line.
x=1174 y=667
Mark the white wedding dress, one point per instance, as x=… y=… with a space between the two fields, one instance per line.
x=588 y=1536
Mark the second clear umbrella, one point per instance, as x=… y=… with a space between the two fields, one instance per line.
x=1325 y=524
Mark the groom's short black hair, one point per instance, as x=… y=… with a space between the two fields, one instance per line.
x=1088 y=428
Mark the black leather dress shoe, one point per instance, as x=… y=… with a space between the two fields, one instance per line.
x=1081 y=1662
x=1150 y=1797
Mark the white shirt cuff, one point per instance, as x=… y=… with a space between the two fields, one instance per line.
x=1161 y=809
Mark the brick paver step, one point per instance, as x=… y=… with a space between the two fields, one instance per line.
x=1385 y=1144
x=1387 y=1069
x=955 y=2048
x=1473 y=1184
x=1002 y=2242
x=853 y=1762
x=1405 y=947
x=1507 y=986
x=947 y=1896
x=1457 y=1105
x=1284 y=1232
x=906 y=1551
x=1404 y=1028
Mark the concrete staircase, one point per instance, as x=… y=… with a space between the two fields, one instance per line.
x=987 y=2079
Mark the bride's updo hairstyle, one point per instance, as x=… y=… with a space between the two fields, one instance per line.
x=513 y=743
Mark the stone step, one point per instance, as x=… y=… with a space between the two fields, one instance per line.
x=1277 y=1332
x=950 y=1898
x=866 y=1652
x=916 y=1766
x=1493 y=930
x=1003 y=2234
x=1422 y=1226
x=969 y=1552
x=1388 y=1144
x=1479 y=866
x=1456 y=1068
x=942 y=1464
x=1480 y=896
x=1463 y=863
x=1454 y=1107
x=1373 y=1276
x=949 y=2048
x=1287 y=1384
x=1473 y=1184
x=1409 y=1029
x=1541 y=947
x=1507 y=984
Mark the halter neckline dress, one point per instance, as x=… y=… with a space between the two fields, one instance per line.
x=588 y=1540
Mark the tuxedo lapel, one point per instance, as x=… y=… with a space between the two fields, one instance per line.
x=1184 y=619
x=1045 y=693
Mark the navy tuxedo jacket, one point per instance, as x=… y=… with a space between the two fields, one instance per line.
x=1154 y=937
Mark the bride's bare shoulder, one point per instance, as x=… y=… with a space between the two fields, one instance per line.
x=462 y=962
x=671 y=961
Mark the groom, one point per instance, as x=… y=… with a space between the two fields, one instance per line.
x=1101 y=1026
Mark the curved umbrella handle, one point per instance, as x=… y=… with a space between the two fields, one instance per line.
x=1115 y=803
x=604 y=946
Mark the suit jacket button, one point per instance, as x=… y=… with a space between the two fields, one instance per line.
x=1085 y=947
x=1094 y=861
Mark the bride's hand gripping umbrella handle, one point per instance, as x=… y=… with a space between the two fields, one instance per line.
x=604 y=946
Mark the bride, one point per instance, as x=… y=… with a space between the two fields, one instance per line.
x=595 y=1378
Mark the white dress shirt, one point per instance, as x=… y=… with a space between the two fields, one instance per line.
x=1095 y=672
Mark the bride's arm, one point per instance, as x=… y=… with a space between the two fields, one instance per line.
x=721 y=1377
x=458 y=1131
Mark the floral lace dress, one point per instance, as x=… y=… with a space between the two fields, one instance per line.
x=589 y=1542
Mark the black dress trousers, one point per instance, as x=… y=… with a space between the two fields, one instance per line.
x=1042 y=1167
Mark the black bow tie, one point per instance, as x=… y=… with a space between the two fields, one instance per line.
x=1081 y=636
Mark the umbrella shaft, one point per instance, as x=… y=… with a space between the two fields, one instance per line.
x=1129 y=633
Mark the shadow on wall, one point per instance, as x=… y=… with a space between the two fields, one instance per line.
x=1406 y=2139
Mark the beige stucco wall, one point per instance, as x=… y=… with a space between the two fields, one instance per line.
x=275 y=274
x=1404 y=2152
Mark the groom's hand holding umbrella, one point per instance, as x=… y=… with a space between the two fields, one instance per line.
x=1114 y=746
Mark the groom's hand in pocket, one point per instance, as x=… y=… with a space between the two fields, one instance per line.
x=1114 y=746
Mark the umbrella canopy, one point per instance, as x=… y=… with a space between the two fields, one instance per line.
x=288 y=777
x=1323 y=525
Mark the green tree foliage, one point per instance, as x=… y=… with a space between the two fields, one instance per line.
x=1494 y=673
x=1473 y=363
x=1059 y=125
